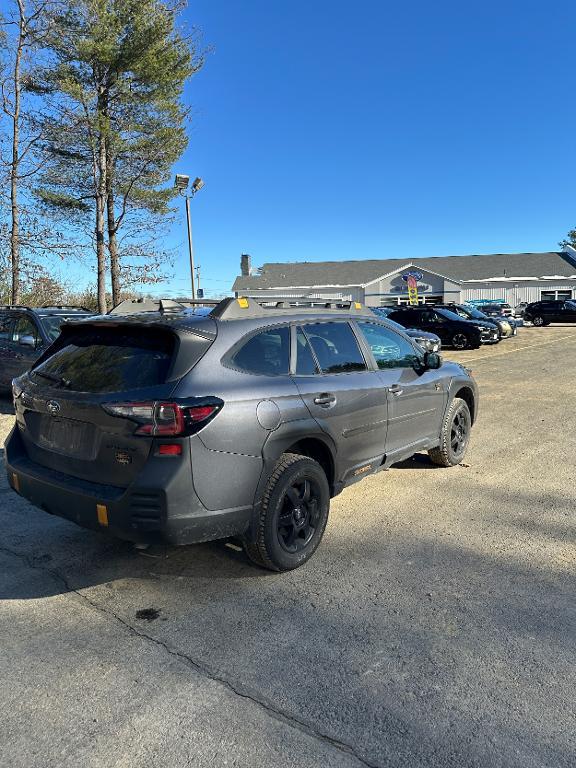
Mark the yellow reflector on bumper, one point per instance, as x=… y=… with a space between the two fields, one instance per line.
x=102 y=513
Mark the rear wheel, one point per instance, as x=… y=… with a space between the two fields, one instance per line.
x=455 y=435
x=293 y=514
x=460 y=341
x=539 y=321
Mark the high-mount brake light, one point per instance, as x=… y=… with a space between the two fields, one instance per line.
x=158 y=419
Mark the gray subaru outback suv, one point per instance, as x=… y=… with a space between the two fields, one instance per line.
x=243 y=422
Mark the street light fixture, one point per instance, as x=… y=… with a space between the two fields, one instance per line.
x=181 y=182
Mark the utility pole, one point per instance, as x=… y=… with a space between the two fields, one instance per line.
x=181 y=184
x=190 y=246
x=197 y=268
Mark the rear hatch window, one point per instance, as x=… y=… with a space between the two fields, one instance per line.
x=103 y=360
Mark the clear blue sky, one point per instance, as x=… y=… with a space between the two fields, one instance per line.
x=377 y=129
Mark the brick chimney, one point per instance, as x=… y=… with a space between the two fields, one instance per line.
x=245 y=265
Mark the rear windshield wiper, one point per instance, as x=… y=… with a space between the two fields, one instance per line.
x=51 y=377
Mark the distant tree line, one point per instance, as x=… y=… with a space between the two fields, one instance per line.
x=92 y=121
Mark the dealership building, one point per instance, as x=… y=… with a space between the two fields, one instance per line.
x=510 y=277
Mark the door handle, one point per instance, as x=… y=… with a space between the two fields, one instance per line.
x=325 y=400
x=396 y=389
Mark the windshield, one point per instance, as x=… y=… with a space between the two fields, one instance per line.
x=475 y=313
x=53 y=323
x=449 y=315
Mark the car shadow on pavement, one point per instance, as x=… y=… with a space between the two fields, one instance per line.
x=418 y=461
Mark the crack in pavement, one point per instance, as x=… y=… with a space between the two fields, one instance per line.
x=267 y=706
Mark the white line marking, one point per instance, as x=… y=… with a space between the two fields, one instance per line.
x=517 y=349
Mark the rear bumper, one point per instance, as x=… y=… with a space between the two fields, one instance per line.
x=159 y=506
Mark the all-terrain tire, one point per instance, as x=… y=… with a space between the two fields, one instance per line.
x=284 y=500
x=454 y=436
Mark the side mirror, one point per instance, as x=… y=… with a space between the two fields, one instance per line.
x=432 y=361
x=27 y=341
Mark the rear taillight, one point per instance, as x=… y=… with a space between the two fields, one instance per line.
x=156 y=419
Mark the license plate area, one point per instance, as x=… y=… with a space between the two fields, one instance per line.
x=67 y=437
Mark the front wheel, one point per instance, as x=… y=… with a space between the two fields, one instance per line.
x=293 y=514
x=460 y=341
x=455 y=435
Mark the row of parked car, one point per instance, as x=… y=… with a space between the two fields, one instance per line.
x=468 y=326
x=26 y=332
x=459 y=326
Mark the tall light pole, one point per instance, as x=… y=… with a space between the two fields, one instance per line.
x=181 y=184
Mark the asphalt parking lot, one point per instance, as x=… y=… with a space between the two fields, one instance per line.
x=435 y=626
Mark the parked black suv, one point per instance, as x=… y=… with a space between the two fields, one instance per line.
x=505 y=325
x=244 y=422
x=545 y=312
x=26 y=333
x=453 y=330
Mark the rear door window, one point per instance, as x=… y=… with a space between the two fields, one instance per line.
x=266 y=353
x=109 y=360
x=335 y=347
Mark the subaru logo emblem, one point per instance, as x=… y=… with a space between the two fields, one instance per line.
x=53 y=407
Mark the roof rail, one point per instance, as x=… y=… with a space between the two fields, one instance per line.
x=134 y=306
x=240 y=308
x=14 y=306
x=64 y=306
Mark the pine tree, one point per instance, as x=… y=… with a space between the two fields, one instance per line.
x=117 y=123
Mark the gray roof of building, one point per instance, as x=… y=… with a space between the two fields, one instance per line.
x=459 y=268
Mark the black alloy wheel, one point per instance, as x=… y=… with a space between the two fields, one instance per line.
x=460 y=340
x=299 y=515
x=460 y=432
x=292 y=515
x=455 y=435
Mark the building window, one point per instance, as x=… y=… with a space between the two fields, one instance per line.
x=555 y=295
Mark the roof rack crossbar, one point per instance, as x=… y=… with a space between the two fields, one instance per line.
x=135 y=306
x=243 y=307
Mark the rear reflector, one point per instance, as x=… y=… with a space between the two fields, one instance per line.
x=102 y=514
x=169 y=449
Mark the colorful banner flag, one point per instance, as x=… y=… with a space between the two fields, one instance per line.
x=412 y=289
